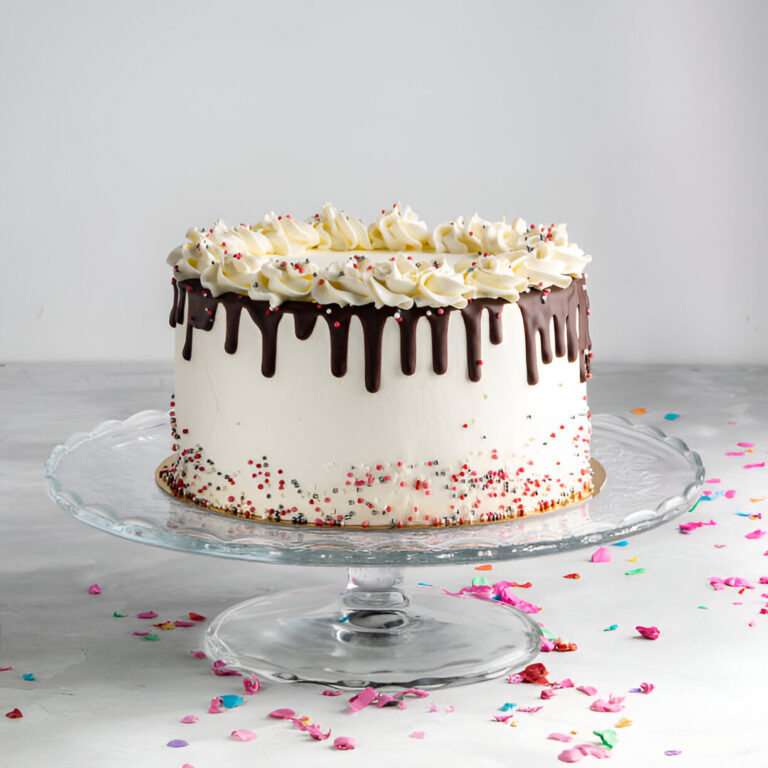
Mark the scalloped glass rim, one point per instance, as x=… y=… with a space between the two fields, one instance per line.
x=105 y=478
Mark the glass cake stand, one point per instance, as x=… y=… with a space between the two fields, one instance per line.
x=371 y=632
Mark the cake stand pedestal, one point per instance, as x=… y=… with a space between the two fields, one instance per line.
x=372 y=632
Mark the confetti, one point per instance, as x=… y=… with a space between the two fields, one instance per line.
x=746 y=445
x=614 y=704
x=252 y=685
x=198 y=654
x=483 y=567
x=548 y=693
x=580 y=751
x=506 y=707
x=117 y=615
x=189 y=719
x=183 y=624
x=688 y=527
x=230 y=701
x=757 y=534
x=242 y=734
x=530 y=710
x=14 y=714
x=644 y=688
x=28 y=676
x=624 y=722
x=590 y=690
x=730 y=494
x=622 y=543
x=608 y=738
x=344 y=742
x=638 y=411
x=94 y=589
x=756 y=465
x=215 y=707
x=150 y=637
x=535 y=674
x=650 y=633
x=601 y=555
x=713 y=480
x=634 y=571
x=671 y=416
x=332 y=693
x=417 y=735
x=177 y=743
x=672 y=752
x=146 y=615
x=196 y=616
x=363 y=699
x=560 y=737
x=572 y=576
x=611 y=627
x=282 y=714
x=219 y=668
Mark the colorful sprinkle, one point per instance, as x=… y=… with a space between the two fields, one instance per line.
x=94 y=589
x=177 y=743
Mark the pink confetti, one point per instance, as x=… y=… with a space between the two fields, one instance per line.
x=649 y=633
x=146 y=615
x=242 y=734
x=503 y=718
x=417 y=735
x=564 y=683
x=590 y=690
x=756 y=465
x=580 y=751
x=140 y=634
x=94 y=589
x=746 y=445
x=731 y=581
x=215 y=707
x=546 y=644
x=560 y=737
x=5 y=669
x=344 y=742
x=530 y=710
x=757 y=534
x=282 y=714
x=501 y=591
x=734 y=453
x=688 y=527
x=363 y=699
x=450 y=708
x=251 y=684
x=332 y=693
x=198 y=654
x=713 y=480
x=189 y=719
x=646 y=687
x=548 y=693
x=184 y=624
x=220 y=668
x=730 y=494
x=612 y=705
x=601 y=555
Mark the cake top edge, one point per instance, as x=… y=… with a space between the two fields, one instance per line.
x=395 y=261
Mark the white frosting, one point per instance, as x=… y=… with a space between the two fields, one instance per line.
x=397 y=262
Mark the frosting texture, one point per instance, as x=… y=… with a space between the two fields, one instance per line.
x=396 y=261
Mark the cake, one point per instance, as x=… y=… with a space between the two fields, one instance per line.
x=336 y=374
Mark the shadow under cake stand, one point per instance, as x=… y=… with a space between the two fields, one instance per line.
x=370 y=632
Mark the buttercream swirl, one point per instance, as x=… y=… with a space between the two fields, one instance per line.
x=397 y=262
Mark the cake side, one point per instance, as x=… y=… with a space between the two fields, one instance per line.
x=421 y=416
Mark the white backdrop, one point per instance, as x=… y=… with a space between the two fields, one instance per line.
x=642 y=125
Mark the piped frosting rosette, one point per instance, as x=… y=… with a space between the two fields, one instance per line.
x=396 y=261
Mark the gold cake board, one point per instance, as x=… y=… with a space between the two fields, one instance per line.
x=598 y=480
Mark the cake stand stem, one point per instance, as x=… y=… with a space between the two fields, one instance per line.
x=372 y=633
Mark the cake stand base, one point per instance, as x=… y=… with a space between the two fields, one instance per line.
x=373 y=634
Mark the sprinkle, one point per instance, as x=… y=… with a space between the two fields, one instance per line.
x=5 y=669
x=14 y=714
x=650 y=633
x=757 y=534
x=215 y=707
x=638 y=411
x=198 y=654
x=117 y=615
x=673 y=752
x=150 y=637
x=94 y=589
x=483 y=567
x=230 y=701
x=754 y=466
x=601 y=555
x=612 y=705
x=146 y=615
x=613 y=626
x=671 y=416
x=181 y=624
x=417 y=735
x=344 y=742
x=688 y=527
x=580 y=751
x=634 y=571
x=624 y=722
x=177 y=743
x=590 y=690
x=572 y=576
x=560 y=737
x=363 y=699
x=746 y=445
x=251 y=684
x=608 y=738
x=189 y=719
x=242 y=734
x=28 y=676
x=282 y=714
x=332 y=693
x=506 y=707
x=196 y=616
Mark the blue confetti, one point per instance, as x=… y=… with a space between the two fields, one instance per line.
x=509 y=705
x=343 y=619
x=28 y=676
x=424 y=584
x=672 y=416
x=620 y=543
x=230 y=701
x=613 y=626
x=743 y=514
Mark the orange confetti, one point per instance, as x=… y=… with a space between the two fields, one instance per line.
x=762 y=498
x=483 y=567
x=638 y=410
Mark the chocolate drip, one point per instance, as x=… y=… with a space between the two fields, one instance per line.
x=175 y=305
x=562 y=313
x=561 y=309
x=267 y=319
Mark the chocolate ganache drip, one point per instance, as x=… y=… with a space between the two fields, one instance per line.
x=564 y=309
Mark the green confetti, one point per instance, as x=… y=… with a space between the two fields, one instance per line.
x=150 y=637
x=703 y=607
x=634 y=571
x=480 y=581
x=118 y=615
x=549 y=635
x=608 y=737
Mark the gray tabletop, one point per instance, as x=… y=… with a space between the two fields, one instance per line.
x=102 y=696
